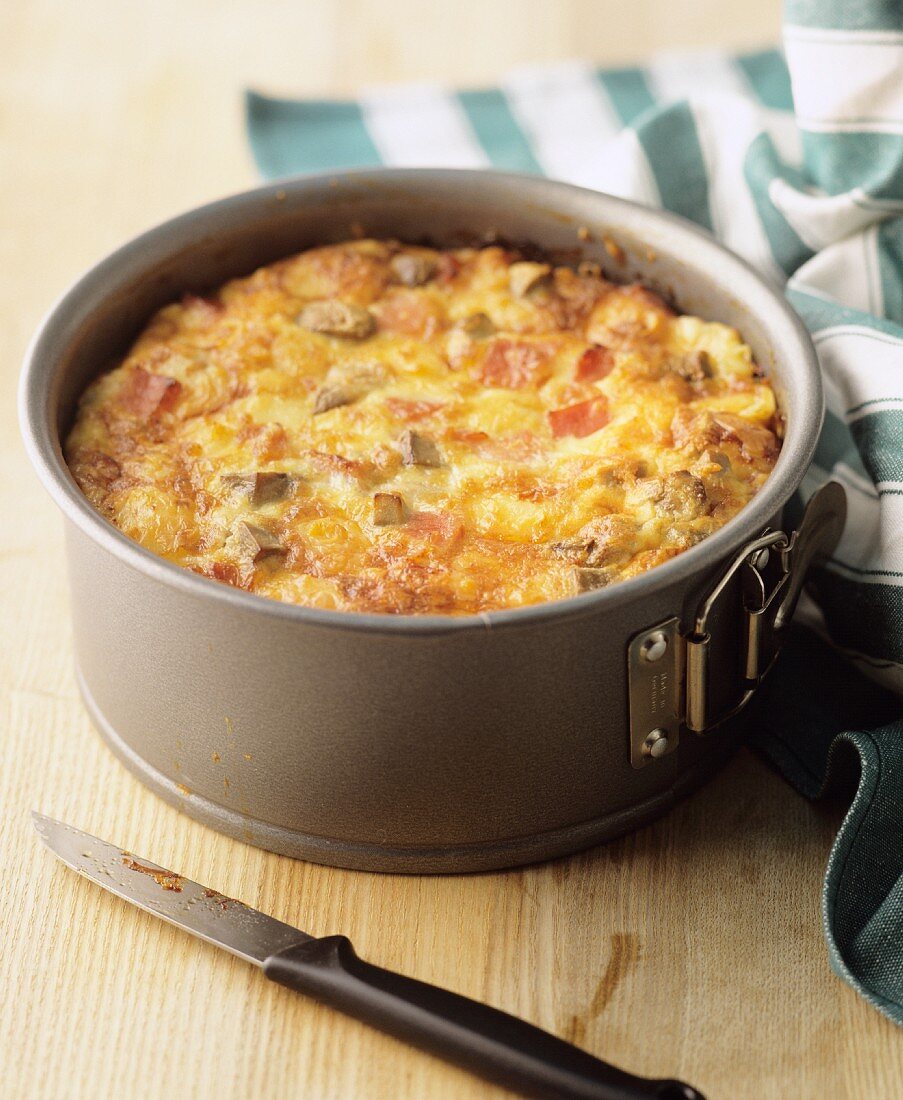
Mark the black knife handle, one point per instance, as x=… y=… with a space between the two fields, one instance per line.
x=482 y=1039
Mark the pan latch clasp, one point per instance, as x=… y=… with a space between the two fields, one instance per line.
x=700 y=679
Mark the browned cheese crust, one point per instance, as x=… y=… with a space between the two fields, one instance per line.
x=371 y=426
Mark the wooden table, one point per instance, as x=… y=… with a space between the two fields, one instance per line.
x=692 y=947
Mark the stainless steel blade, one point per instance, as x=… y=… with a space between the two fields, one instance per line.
x=230 y=924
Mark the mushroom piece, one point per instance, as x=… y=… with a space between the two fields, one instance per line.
x=332 y=397
x=334 y=318
x=256 y=542
x=419 y=450
x=413 y=268
x=587 y=580
x=695 y=367
x=479 y=326
x=388 y=509
x=604 y=541
x=525 y=276
x=460 y=343
x=684 y=494
x=259 y=488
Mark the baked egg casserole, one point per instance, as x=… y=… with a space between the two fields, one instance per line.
x=373 y=426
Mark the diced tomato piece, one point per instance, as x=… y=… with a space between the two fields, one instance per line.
x=595 y=363
x=513 y=366
x=148 y=394
x=411 y=410
x=581 y=419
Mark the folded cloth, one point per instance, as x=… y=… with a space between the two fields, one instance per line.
x=794 y=160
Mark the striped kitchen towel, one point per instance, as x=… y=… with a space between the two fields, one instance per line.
x=795 y=160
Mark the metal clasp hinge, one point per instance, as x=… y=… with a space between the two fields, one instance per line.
x=700 y=679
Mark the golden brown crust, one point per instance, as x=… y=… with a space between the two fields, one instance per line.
x=378 y=427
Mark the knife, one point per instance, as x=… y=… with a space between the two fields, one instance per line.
x=482 y=1039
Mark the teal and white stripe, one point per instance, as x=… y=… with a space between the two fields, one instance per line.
x=421 y=123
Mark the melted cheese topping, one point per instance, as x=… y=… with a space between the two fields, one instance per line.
x=376 y=427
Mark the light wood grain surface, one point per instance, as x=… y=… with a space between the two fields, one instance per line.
x=692 y=947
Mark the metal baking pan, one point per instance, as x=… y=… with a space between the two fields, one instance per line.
x=424 y=743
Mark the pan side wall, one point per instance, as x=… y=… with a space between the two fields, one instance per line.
x=392 y=741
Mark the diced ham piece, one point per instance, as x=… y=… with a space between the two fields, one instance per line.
x=466 y=435
x=447 y=267
x=339 y=464
x=227 y=573
x=440 y=528
x=149 y=394
x=580 y=420
x=514 y=366
x=595 y=363
x=404 y=409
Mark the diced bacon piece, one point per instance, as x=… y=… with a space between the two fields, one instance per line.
x=147 y=394
x=580 y=420
x=595 y=363
x=404 y=409
x=513 y=365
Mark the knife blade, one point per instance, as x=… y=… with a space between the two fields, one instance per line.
x=485 y=1040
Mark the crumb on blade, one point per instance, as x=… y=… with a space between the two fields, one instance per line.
x=167 y=879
